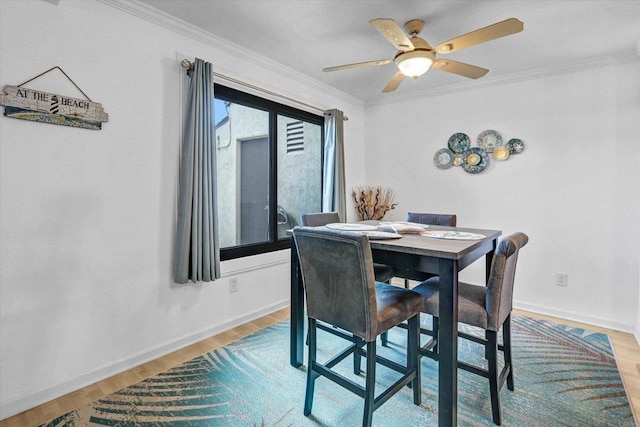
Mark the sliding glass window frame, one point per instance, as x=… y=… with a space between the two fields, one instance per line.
x=273 y=242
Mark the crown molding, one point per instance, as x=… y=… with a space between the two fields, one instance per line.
x=621 y=58
x=169 y=22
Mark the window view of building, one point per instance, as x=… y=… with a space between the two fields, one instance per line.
x=299 y=170
x=269 y=171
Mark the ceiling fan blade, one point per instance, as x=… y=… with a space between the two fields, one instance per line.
x=492 y=32
x=392 y=32
x=394 y=82
x=460 y=68
x=358 y=65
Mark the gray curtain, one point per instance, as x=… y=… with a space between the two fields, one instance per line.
x=197 y=255
x=333 y=183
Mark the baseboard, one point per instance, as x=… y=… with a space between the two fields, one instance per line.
x=637 y=333
x=577 y=317
x=21 y=404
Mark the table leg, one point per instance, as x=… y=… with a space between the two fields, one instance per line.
x=448 y=344
x=297 y=311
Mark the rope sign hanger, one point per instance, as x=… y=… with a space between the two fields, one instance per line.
x=62 y=71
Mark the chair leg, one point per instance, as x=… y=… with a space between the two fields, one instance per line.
x=434 y=328
x=311 y=376
x=370 y=384
x=492 y=360
x=384 y=337
x=413 y=358
x=506 y=340
x=357 y=357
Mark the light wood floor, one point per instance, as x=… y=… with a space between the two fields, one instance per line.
x=625 y=347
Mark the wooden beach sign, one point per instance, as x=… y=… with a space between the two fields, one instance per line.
x=29 y=104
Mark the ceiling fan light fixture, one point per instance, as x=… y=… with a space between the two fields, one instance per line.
x=416 y=63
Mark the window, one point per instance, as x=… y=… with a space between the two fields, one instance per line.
x=269 y=161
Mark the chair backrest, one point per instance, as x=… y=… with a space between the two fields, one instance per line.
x=499 y=300
x=432 y=219
x=318 y=219
x=338 y=277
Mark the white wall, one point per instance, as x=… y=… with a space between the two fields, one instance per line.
x=574 y=190
x=87 y=217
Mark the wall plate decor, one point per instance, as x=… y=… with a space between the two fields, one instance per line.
x=459 y=142
x=459 y=159
x=515 y=145
x=475 y=160
x=28 y=104
x=443 y=158
x=501 y=153
x=488 y=140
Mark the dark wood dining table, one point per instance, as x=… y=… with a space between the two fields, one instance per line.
x=443 y=257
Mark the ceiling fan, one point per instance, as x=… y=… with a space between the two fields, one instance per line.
x=416 y=56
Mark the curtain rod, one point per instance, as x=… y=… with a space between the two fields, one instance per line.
x=187 y=65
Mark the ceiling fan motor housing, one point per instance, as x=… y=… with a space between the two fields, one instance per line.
x=420 y=45
x=416 y=62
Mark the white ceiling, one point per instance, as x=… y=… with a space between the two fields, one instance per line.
x=308 y=35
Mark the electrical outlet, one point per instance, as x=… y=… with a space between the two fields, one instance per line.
x=562 y=279
x=233 y=284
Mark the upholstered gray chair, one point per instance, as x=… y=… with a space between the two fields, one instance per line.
x=340 y=289
x=432 y=218
x=318 y=219
x=487 y=307
x=428 y=219
x=383 y=273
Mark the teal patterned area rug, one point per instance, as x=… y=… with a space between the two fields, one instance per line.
x=563 y=377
